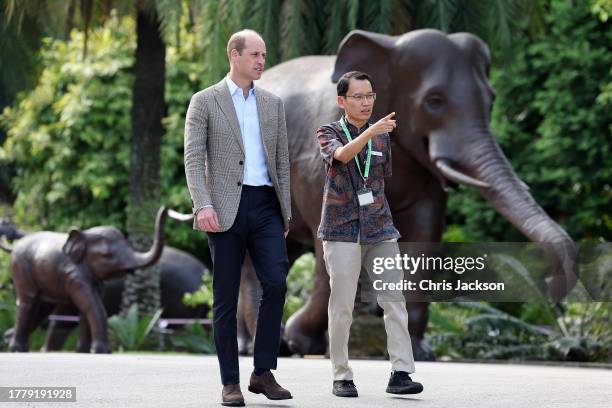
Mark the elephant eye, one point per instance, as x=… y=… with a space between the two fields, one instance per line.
x=434 y=103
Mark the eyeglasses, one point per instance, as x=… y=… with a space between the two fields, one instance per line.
x=362 y=98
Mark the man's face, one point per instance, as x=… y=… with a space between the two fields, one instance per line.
x=250 y=64
x=359 y=109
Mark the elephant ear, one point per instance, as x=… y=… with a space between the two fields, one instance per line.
x=75 y=245
x=367 y=52
x=477 y=50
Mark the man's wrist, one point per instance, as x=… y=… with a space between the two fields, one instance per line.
x=367 y=134
x=201 y=208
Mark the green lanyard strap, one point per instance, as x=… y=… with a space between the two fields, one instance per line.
x=365 y=174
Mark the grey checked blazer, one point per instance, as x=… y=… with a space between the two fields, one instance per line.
x=214 y=151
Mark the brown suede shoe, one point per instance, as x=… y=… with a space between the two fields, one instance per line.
x=266 y=384
x=232 y=396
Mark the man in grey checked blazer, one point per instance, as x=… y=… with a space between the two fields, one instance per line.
x=237 y=168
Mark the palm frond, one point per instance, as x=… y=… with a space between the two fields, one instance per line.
x=378 y=16
x=292 y=30
x=501 y=16
x=353 y=14
x=469 y=19
x=335 y=28
x=170 y=12
x=214 y=35
x=300 y=34
x=401 y=21
x=264 y=19
x=237 y=14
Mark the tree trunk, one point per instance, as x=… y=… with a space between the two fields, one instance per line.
x=142 y=287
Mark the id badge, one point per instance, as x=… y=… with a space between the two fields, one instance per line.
x=365 y=196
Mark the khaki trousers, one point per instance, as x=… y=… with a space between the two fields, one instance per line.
x=343 y=261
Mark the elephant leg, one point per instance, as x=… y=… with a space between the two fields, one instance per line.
x=84 y=344
x=248 y=306
x=418 y=317
x=25 y=321
x=305 y=329
x=423 y=221
x=89 y=303
x=58 y=331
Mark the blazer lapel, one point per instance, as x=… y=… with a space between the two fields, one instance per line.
x=224 y=99
x=267 y=137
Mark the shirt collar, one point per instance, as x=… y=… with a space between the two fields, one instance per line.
x=233 y=87
x=353 y=129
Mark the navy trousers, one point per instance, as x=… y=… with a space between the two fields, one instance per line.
x=259 y=229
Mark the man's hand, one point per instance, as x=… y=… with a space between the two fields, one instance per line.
x=385 y=125
x=347 y=152
x=208 y=220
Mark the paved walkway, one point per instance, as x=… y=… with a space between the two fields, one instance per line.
x=157 y=380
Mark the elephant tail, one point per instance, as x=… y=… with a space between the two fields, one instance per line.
x=179 y=216
x=5 y=246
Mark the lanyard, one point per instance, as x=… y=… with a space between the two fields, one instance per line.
x=365 y=174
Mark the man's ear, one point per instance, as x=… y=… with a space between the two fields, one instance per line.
x=75 y=246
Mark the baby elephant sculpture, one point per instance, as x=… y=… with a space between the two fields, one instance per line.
x=180 y=273
x=54 y=268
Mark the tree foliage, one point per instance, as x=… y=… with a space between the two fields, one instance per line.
x=553 y=119
x=69 y=138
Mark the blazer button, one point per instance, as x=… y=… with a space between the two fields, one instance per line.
x=239 y=183
x=241 y=162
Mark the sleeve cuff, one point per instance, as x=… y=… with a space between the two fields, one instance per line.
x=201 y=208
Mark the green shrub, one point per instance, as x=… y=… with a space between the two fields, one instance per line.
x=478 y=331
x=202 y=296
x=299 y=284
x=132 y=331
x=193 y=339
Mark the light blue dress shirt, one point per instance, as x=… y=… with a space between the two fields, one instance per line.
x=255 y=169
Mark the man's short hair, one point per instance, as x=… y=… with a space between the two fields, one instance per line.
x=343 y=82
x=238 y=41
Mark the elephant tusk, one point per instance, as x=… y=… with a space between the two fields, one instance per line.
x=175 y=215
x=5 y=246
x=458 y=177
x=525 y=186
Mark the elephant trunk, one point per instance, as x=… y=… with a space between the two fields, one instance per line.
x=511 y=198
x=146 y=259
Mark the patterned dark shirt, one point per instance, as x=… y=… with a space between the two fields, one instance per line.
x=342 y=218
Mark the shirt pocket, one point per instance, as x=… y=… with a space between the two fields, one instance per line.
x=377 y=160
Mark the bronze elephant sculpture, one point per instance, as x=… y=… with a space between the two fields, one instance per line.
x=438 y=86
x=53 y=268
x=180 y=273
